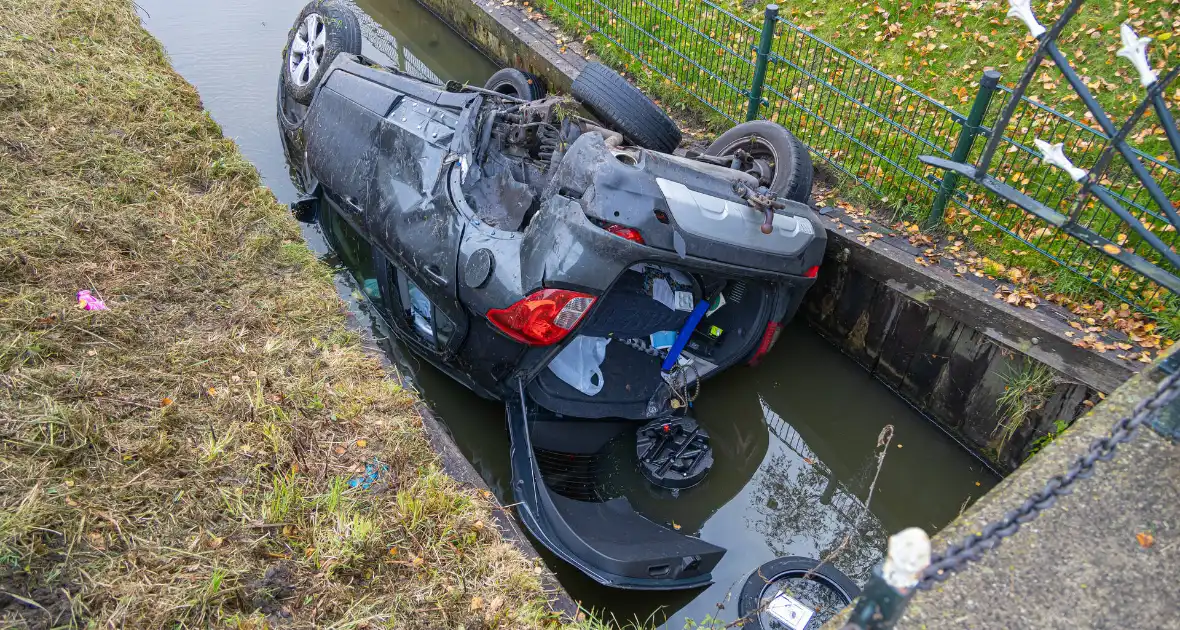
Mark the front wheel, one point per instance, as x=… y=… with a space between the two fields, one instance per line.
x=770 y=153
x=324 y=29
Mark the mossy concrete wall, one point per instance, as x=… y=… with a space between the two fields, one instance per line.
x=951 y=349
x=512 y=37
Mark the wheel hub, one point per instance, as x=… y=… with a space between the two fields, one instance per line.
x=307 y=49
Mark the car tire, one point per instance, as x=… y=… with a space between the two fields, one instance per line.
x=334 y=29
x=516 y=83
x=791 y=170
x=622 y=107
x=751 y=594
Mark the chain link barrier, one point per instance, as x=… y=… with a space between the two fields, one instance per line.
x=957 y=556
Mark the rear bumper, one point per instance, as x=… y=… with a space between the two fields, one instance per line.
x=608 y=541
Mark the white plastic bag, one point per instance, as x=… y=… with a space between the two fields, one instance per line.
x=579 y=364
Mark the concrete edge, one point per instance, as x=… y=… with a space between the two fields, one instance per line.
x=1027 y=332
x=513 y=38
x=456 y=465
x=1030 y=477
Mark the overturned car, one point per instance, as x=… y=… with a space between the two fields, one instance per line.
x=569 y=265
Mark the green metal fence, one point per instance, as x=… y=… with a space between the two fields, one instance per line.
x=873 y=128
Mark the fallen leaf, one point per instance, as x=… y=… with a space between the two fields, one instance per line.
x=1146 y=540
x=167 y=401
x=899 y=446
x=362 y=443
x=340 y=450
x=675 y=525
x=476 y=602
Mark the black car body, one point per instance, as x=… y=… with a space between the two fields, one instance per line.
x=499 y=234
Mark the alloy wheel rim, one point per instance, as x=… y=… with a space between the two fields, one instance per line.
x=307 y=49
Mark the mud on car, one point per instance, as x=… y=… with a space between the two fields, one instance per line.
x=555 y=254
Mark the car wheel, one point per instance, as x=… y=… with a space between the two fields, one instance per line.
x=772 y=154
x=324 y=29
x=516 y=83
x=761 y=583
x=625 y=109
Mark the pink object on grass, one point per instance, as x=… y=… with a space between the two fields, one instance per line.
x=89 y=302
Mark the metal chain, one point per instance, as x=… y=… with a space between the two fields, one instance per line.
x=642 y=346
x=957 y=556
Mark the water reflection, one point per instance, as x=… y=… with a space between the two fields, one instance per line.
x=801 y=504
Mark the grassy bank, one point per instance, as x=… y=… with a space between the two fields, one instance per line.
x=181 y=459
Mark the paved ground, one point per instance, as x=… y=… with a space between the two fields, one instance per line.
x=1084 y=562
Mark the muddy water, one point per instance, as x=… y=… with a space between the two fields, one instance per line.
x=796 y=439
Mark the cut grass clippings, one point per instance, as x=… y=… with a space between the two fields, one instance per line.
x=181 y=459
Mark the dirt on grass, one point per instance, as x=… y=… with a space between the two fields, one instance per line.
x=182 y=458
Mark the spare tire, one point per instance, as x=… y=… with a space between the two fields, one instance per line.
x=625 y=109
x=324 y=29
x=776 y=157
x=819 y=587
x=517 y=83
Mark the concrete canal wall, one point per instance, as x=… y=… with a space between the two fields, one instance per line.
x=942 y=343
x=514 y=38
x=968 y=361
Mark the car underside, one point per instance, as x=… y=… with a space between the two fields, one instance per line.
x=541 y=258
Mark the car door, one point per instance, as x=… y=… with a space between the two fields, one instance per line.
x=379 y=144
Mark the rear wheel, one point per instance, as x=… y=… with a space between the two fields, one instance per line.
x=772 y=154
x=625 y=109
x=516 y=83
x=324 y=29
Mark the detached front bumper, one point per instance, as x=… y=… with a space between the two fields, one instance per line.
x=607 y=541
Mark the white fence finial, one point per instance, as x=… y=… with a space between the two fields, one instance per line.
x=908 y=556
x=1135 y=50
x=1023 y=11
x=1055 y=155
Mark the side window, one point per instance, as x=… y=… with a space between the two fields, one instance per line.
x=354 y=251
x=429 y=322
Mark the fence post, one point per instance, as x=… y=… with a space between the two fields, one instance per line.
x=769 y=17
x=987 y=87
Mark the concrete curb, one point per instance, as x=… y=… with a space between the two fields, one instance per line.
x=513 y=38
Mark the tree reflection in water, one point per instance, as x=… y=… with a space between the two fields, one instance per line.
x=804 y=510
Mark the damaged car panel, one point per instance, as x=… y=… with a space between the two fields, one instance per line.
x=534 y=256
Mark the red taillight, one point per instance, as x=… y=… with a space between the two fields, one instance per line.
x=630 y=234
x=813 y=272
x=773 y=330
x=543 y=318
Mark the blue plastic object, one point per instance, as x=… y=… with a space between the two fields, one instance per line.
x=695 y=318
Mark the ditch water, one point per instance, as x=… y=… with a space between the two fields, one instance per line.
x=795 y=439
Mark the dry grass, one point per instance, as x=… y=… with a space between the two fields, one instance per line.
x=180 y=460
